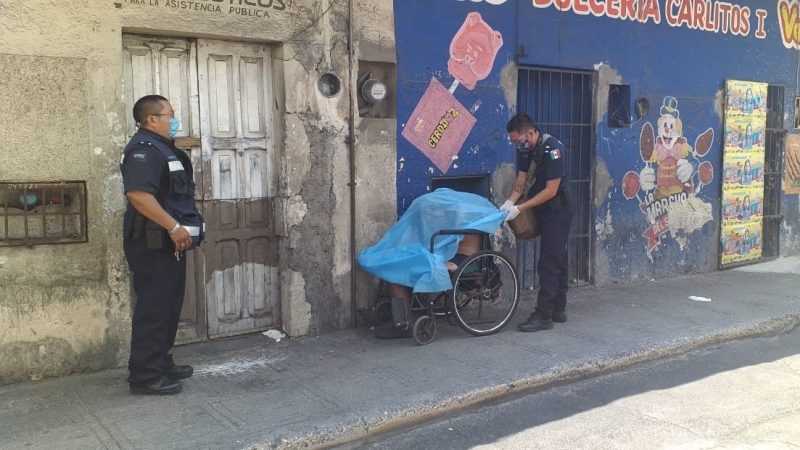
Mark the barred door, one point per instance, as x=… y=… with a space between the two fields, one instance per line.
x=775 y=140
x=561 y=103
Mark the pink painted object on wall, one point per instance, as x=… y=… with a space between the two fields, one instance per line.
x=439 y=125
x=473 y=50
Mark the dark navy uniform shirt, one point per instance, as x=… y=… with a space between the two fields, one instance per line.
x=549 y=157
x=144 y=169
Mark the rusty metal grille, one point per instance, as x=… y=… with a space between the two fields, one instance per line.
x=34 y=213
x=561 y=103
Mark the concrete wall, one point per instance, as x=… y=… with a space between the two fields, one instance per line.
x=375 y=157
x=62 y=307
x=66 y=308
x=654 y=54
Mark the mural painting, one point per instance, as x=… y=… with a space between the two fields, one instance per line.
x=440 y=124
x=743 y=171
x=791 y=176
x=673 y=176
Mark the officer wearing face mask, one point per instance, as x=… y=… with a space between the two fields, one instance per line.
x=161 y=223
x=548 y=196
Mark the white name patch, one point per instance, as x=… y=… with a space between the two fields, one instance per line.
x=175 y=166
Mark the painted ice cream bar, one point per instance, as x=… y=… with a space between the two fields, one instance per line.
x=473 y=50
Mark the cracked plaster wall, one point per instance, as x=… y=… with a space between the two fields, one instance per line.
x=63 y=308
x=317 y=170
x=603 y=182
x=66 y=308
x=312 y=41
x=375 y=150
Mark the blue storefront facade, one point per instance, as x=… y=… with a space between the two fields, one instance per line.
x=640 y=93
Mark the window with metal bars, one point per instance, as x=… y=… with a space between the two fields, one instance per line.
x=34 y=213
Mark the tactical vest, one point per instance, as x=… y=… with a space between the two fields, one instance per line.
x=178 y=200
x=561 y=199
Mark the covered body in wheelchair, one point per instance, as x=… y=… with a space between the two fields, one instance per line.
x=435 y=245
x=403 y=255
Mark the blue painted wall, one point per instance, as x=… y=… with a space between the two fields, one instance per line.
x=656 y=60
x=424 y=30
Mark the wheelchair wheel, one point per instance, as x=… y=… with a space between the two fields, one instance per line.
x=424 y=330
x=485 y=293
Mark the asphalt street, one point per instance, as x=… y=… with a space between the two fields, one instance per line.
x=739 y=395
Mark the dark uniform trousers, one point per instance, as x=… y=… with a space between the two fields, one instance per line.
x=553 y=267
x=159 y=281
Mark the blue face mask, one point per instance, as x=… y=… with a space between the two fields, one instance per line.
x=174 y=126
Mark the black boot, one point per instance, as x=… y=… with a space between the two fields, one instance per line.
x=535 y=323
x=398 y=327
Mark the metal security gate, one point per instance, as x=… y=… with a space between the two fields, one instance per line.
x=561 y=103
x=775 y=139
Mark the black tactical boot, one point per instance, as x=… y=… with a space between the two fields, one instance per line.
x=535 y=323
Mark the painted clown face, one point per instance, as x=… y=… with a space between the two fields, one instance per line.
x=669 y=127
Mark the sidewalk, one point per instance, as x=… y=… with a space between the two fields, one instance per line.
x=307 y=392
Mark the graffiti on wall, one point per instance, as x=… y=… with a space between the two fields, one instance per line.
x=674 y=173
x=791 y=175
x=440 y=124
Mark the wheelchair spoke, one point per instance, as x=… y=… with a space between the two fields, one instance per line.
x=485 y=293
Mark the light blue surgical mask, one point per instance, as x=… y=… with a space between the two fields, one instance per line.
x=174 y=126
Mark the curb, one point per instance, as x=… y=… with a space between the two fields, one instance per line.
x=370 y=427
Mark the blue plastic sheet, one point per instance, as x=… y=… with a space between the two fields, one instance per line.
x=403 y=256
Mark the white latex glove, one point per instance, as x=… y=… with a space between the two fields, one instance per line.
x=647 y=179
x=684 y=170
x=513 y=212
x=506 y=206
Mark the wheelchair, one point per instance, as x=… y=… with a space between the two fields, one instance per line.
x=483 y=299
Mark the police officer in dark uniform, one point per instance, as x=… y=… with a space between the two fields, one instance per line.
x=161 y=223
x=548 y=195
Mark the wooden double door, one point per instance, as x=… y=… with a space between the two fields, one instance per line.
x=223 y=93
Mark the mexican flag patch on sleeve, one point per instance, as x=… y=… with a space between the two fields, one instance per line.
x=555 y=153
